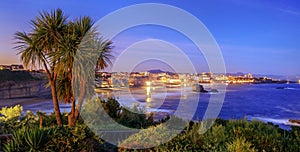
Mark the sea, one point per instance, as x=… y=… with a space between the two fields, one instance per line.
x=275 y=103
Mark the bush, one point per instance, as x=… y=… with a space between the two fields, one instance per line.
x=135 y=117
x=233 y=135
x=150 y=137
x=224 y=135
x=107 y=115
x=240 y=144
x=13 y=120
x=11 y=112
x=79 y=138
x=29 y=140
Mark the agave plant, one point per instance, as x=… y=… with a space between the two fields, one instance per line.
x=29 y=139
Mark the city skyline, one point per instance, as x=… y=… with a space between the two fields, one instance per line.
x=254 y=37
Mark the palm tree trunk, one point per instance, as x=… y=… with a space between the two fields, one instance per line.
x=80 y=99
x=55 y=103
x=71 y=115
x=54 y=95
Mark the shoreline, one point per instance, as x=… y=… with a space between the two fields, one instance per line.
x=156 y=115
x=40 y=102
x=22 y=101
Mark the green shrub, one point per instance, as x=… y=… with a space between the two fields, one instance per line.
x=49 y=120
x=224 y=135
x=150 y=137
x=29 y=139
x=240 y=145
x=294 y=140
x=108 y=115
x=234 y=135
x=135 y=117
x=78 y=138
x=10 y=112
x=17 y=122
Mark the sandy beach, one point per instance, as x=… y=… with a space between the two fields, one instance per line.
x=22 y=101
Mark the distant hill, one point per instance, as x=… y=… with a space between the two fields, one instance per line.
x=280 y=77
x=273 y=76
x=155 y=71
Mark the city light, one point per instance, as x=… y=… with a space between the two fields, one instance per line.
x=148 y=83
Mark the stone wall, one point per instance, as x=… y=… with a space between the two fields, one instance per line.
x=23 y=89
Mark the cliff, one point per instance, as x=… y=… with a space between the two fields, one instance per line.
x=34 y=88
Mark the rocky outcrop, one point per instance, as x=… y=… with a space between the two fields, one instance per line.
x=295 y=121
x=198 y=88
x=11 y=89
x=214 y=90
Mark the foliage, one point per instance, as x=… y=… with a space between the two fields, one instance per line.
x=55 y=138
x=53 y=42
x=149 y=137
x=104 y=113
x=16 y=123
x=11 y=112
x=29 y=139
x=135 y=117
x=230 y=135
x=49 y=120
x=239 y=144
x=76 y=138
x=224 y=135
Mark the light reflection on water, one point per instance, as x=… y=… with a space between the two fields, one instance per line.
x=255 y=101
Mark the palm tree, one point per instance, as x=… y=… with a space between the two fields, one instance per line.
x=90 y=50
x=71 y=49
x=37 y=47
x=56 y=44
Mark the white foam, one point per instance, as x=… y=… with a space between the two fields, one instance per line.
x=158 y=110
x=288 y=88
x=275 y=121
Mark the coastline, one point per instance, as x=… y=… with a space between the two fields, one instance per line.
x=261 y=93
x=22 y=101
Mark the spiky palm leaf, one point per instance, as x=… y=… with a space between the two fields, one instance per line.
x=29 y=49
x=36 y=47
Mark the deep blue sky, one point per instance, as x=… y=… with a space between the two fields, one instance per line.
x=257 y=36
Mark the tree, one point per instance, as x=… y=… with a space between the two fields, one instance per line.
x=56 y=44
x=37 y=47
x=91 y=49
x=81 y=43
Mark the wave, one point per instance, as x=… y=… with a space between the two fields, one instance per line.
x=275 y=121
x=288 y=88
x=288 y=110
x=159 y=110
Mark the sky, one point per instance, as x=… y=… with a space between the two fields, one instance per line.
x=257 y=36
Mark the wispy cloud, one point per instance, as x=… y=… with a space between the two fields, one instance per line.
x=288 y=11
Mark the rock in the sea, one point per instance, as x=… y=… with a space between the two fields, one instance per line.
x=294 y=121
x=214 y=90
x=198 y=88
